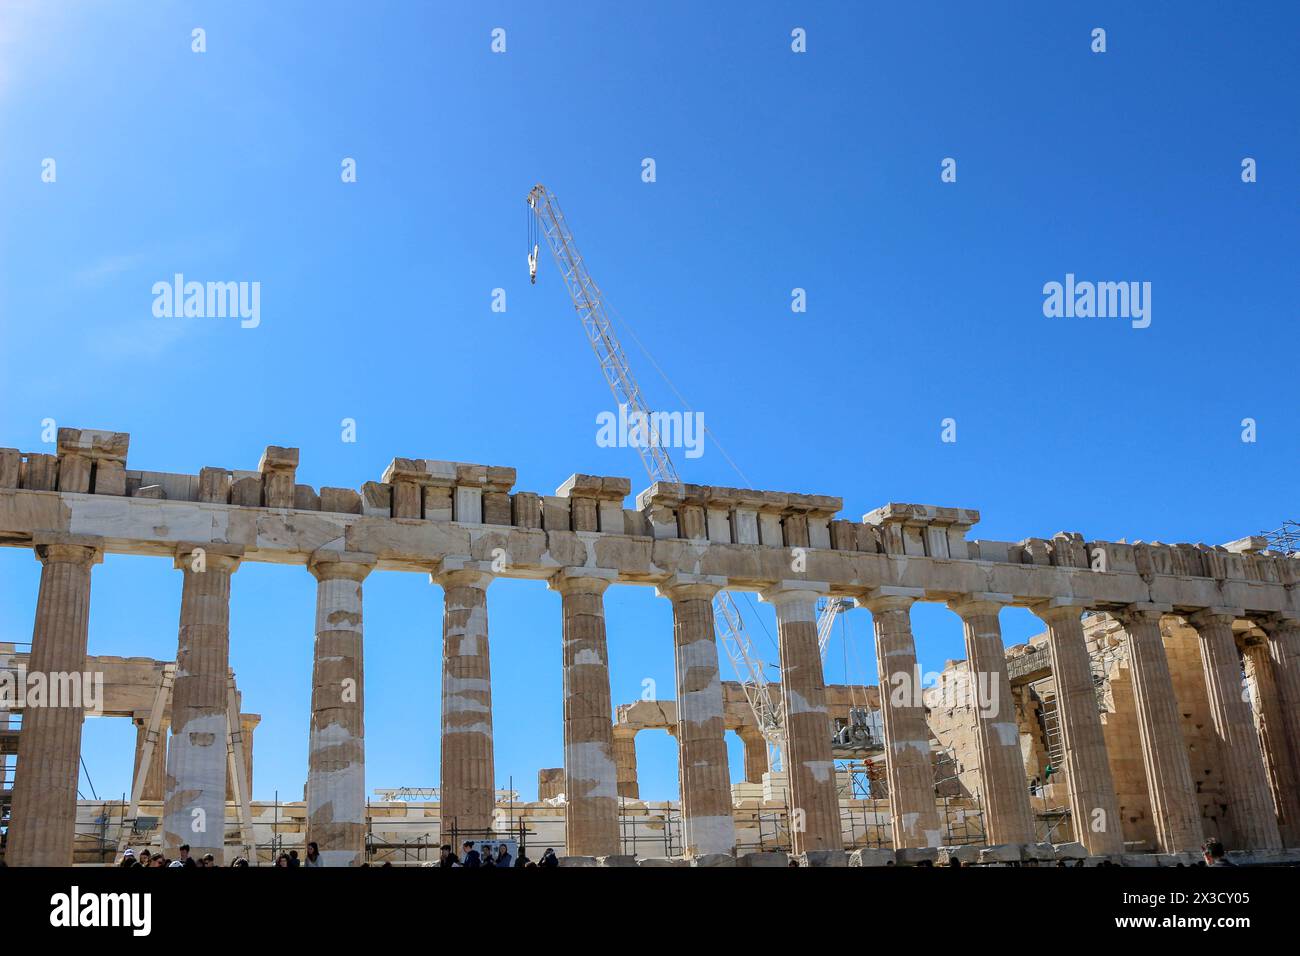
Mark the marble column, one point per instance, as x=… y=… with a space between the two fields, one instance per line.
x=1094 y=807
x=1250 y=811
x=625 y=761
x=1007 y=815
x=1277 y=663
x=43 y=815
x=336 y=756
x=247 y=724
x=467 y=787
x=195 y=808
x=809 y=765
x=705 y=778
x=908 y=765
x=155 y=784
x=1175 y=810
x=590 y=776
x=755 y=753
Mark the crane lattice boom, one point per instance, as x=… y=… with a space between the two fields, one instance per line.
x=590 y=306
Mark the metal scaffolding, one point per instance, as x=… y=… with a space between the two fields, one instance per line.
x=1284 y=540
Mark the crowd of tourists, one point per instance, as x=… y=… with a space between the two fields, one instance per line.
x=183 y=858
x=488 y=856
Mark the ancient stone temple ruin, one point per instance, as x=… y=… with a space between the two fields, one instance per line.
x=1132 y=697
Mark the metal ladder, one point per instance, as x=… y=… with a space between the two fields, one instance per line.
x=234 y=761
x=162 y=700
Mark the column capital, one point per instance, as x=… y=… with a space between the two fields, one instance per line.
x=582 y=580
x=687 y=586
x=1255 y=637
x=979 y=602
x=1275 y=622
x=1131 y=613
x=462 y=571
x=1058 y=609
x=890 y=599
x=68 y=548
x=626 y=730
x=218 y=557
x=332 y=565
x=783 y=592
x=1210 y=616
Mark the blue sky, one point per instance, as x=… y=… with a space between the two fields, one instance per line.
x=775 y=170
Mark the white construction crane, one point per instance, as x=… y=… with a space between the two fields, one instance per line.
x=826 y=614
x=548 y=220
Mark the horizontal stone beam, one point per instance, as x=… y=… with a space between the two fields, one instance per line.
x=151 y=526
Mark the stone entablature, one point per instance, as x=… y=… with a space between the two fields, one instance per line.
x=426 y=511
x=923 y=530
x=737 y=714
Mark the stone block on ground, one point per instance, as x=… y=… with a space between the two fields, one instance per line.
x=1001 y=853
x=764 y=858
x=1071 y=851
x=964 y=855
x=871 y=856
x=824 y=858
x=1042 y=852
x=917 y=855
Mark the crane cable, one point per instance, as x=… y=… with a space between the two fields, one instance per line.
x=680 y=397
x=626 y=327
x=533 y=230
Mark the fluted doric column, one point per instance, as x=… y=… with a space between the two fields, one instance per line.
x=1275 y=672
x=1281 y=718
x=1250 y=811
x=155 y=784
x=705 y=779
x=625 y=762
x=247 y=724
x=902 y=711
x=1175 y=809
x=1007 y=815
x=590 y=776
x=195 y=808
x=1094 y=807
x=808 y=762
x=336 y=756
x=43 y=816
x=467 y=783
x=755 y=753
